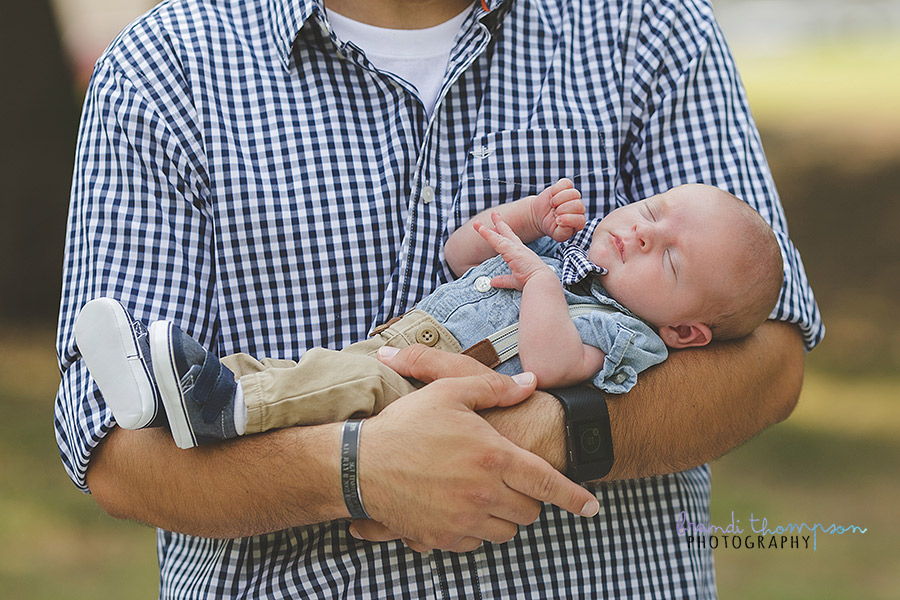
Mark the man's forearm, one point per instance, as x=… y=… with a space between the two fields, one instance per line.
x=445 y=487
x=693 y=408
x=249 y=486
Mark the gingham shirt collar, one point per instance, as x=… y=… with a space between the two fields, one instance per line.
x=289 y=17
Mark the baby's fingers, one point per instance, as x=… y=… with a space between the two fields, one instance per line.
x=488 y=233
x=496 y=241
x=506 y=282
x=502 y=228
x=569 y=196
x=561 y=186
x=576 y=222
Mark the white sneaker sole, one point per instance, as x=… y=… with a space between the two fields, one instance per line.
x=109 y=348
x=169 y=385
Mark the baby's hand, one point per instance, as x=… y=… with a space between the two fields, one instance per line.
x=522 y=260
x=558 y=211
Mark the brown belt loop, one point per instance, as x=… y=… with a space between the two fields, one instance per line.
x=384 y=326
x=484 y=352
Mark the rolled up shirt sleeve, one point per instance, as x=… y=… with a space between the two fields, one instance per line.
x=630 y=345
x=138 y=230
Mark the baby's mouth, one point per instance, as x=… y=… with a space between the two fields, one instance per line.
x=619 y=245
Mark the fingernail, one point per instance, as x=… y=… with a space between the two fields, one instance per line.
x=388 y=351
x=354 y=533
x=524 y=379
x=590 y=508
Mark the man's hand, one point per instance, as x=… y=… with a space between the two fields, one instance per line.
x=558 y=211
x=436 y=474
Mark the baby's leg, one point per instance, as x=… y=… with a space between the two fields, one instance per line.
x=328 y=386
x=243 y=364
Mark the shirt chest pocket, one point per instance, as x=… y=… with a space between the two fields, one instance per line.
x=508 y=165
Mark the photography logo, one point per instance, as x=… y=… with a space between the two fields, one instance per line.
x=758 y=535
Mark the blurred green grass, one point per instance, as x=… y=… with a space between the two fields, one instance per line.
x=832 y=84
x=54 y=541
x=835 y=460
x=830 y=128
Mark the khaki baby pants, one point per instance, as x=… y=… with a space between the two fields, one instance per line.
x=327 y=386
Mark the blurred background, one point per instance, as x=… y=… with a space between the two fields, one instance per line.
x=823 y=79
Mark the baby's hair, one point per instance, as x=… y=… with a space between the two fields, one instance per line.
x=756 y=277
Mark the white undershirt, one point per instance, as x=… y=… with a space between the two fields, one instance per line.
x=419 y=56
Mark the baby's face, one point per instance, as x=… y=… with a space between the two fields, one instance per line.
x=665 y=254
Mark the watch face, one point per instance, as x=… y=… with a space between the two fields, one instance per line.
x=590 y=445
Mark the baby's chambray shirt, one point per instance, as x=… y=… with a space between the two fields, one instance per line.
x=472 y=311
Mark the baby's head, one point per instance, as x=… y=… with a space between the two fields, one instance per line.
x=695 y=262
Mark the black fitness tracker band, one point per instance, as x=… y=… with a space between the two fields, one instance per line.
x=350 y=469
x=589 y=446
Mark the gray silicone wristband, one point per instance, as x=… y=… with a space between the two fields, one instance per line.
x=350 y=469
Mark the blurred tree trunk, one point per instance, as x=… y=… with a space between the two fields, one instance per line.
x=38 y=123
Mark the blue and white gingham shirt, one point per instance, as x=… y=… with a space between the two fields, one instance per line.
x=246 y=174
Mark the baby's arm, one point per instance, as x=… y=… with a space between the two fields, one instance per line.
x=557 y=212
x=549 y=343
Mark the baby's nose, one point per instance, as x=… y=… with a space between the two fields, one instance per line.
x=643 y=237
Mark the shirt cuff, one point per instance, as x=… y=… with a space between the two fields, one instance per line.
x=616 y=377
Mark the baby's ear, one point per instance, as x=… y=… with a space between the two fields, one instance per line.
x=685 y=336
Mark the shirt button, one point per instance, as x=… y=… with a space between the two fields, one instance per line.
x=427 y=336
x=483 y=284
x=620 y=378
x=428 y=194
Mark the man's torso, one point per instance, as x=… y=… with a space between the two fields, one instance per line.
x=324 y=198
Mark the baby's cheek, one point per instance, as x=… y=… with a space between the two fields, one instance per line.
x=624 y=289
x=611 y=283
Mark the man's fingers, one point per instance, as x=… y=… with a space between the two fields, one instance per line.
x=535 y=478
x=429 y=364
x=496 y=531
x=487 y=390
x=416 y=546
x=514 y=507
x=468 y=381
x=466 y=544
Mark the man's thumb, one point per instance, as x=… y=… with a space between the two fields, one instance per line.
x=491 y=389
